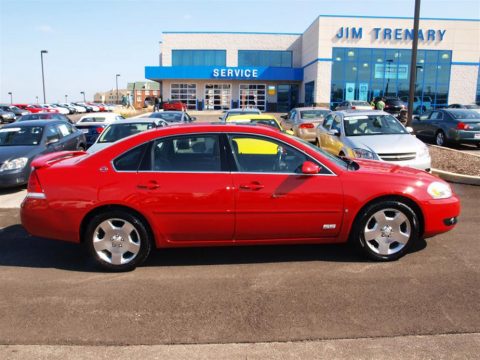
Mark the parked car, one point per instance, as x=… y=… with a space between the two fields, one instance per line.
x=35 y=108
x=173 y=116
x=6 y=116
x=120 y=129
x=258 y=119
x=420 y=104
x=44 y=116
x=20 y=143
x=92 y=125
x=394 y=105
x=449 y=126
x=60 y=110
x=87 y=108
x=174 y=105
x=78 y=109
x=473 y=107
x=191 y=185
x=15 y=110
x=354 y=105
x=71 y=110
x=238 y=111
x=303 y=121
x=374 y=135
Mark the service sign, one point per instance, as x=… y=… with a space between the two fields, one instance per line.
x=235 y=73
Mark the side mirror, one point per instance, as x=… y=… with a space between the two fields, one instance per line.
x=334 y=132
x=193 y=118
x=284 y=117
x=409 y=129
x=220 y=118
x=309 y=168
x=289 y=132
x=52 y=140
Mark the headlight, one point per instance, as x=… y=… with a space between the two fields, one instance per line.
x=365 y=154
x=423 y=152
x=439 y=190
x=14 y=164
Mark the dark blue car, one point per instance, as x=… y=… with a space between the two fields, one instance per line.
x=21 y=142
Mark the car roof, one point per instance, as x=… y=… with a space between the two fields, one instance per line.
x=310 y=108
x=34 y=123
x=135 y=121
x=347 y=113
x=251 y=117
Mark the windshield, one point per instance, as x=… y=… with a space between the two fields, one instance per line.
x=93 y=119
x=119 y=131
x=168 y=116
x=313 y=114
x=36 y=117
x=21 y=136
x=472 y=106
x=372 y=125
x=465 y=114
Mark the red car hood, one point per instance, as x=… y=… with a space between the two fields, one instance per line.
x=380 y=167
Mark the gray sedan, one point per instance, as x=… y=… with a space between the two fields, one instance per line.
x=449 y=126
x=303 y=121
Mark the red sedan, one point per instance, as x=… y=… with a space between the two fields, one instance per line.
x=35 y=108
x=212 y=185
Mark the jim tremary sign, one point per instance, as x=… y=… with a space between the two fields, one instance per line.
x=397 y=34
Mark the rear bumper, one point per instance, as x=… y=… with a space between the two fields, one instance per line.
x=40 y=220
x=440 y=215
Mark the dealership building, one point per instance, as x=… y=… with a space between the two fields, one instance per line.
x=336 y=58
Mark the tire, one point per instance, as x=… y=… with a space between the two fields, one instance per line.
x=384 y=231
x=128 y=243
x=440 y=138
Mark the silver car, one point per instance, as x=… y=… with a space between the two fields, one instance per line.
x=374 y=135
x=354 y=105
x=238 y=111
x=304 y=120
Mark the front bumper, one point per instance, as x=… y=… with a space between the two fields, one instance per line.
x=10 y=179
x=440 y=215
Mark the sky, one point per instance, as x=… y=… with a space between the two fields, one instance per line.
x=89 y=42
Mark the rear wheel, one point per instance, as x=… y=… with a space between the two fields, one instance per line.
x=440 y=139
x=385 y=231
x=118 y=240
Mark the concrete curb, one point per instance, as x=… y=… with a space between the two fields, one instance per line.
x=457 y=178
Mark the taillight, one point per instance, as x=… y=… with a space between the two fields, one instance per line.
x=463 y=126
x=306 y=126
x=99 y=130
x=354 y=108
x=34 y=189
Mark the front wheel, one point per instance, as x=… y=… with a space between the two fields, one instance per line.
x=118 y=240
x=385 y=231
x=440 y=139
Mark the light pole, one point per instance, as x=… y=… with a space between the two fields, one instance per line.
x=43 y=75
x=11 y=97
x=66 y=98
x=387 y=73
x=116 y=81
x=83 y=93
x=413 y=64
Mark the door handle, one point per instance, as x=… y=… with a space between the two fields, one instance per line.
x=255 y=185
x=151 y=185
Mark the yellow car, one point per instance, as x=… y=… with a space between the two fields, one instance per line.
x=251 y=146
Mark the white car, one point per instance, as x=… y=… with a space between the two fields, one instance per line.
x=120 y=129
x=78 y=109
x=61 y=110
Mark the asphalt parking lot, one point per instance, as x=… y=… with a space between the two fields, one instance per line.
x=53 y=295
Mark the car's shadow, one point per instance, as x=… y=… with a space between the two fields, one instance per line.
x=17 y=248
x=12 y=190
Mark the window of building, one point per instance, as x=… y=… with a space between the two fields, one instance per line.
x=199 y=57
x=364 y=74
x=253 y=96
x=265 y=58
x=217 y=96
x=186 y=93
x=309 y=88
